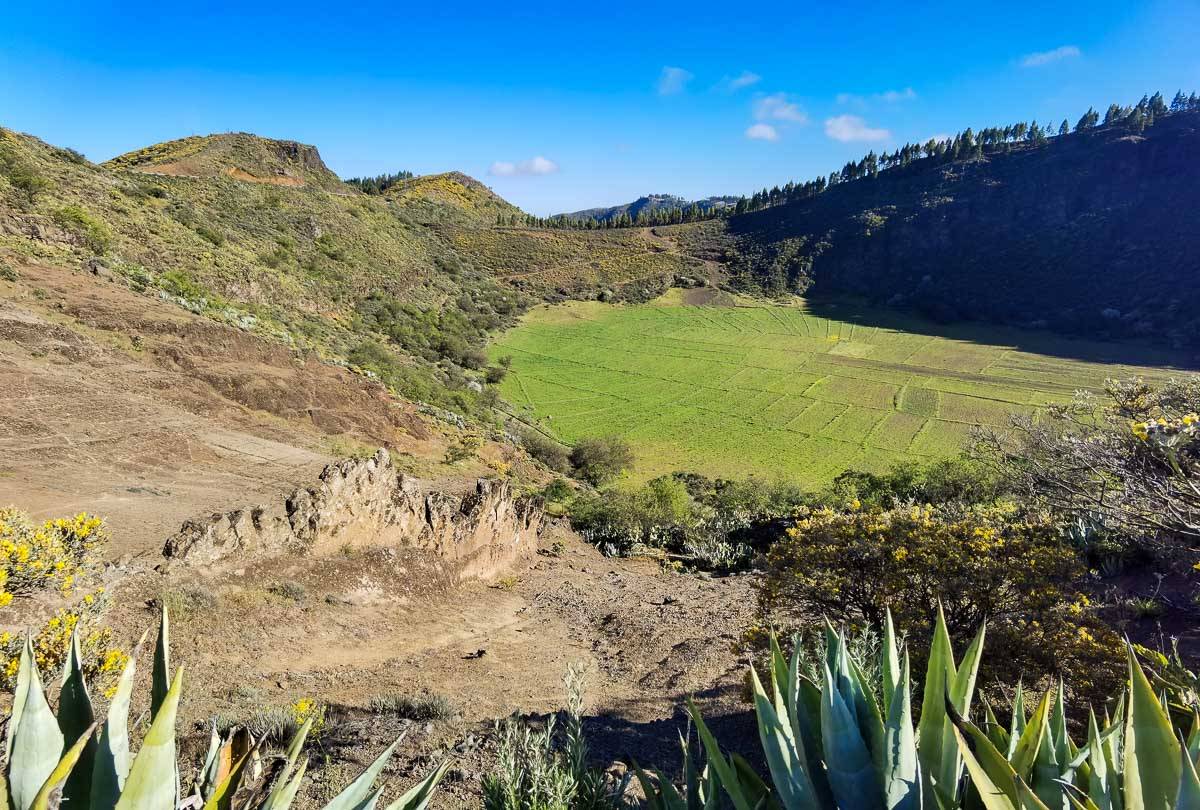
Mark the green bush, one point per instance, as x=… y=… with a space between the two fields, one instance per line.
x=601 y=459
x=94 y=233
x=210 y=235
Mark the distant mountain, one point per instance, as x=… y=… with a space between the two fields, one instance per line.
x=650 y=204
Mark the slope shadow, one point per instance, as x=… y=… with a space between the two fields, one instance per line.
x=1033 y=341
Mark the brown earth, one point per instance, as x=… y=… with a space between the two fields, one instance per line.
x=119 y=404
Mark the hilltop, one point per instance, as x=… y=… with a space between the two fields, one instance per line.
x=650 y=204
x=238 y=155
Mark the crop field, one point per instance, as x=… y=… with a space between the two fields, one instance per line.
x=779 y=391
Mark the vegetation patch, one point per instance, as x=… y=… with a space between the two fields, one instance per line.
x=782 y=390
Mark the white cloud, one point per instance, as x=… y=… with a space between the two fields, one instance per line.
x=892 y=96
x=852 y=128
x=1047 y=57
x=777 y=107
x=534 y=167
x=733 y=84
x=672 y=80
x=887 y=96
x=762 y=132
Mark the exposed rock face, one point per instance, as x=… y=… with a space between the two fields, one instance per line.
x=368 y=504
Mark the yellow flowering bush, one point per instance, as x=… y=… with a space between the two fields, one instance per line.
x=981 y=564
x=52 y=555
x=102 y=660
x=303 y=709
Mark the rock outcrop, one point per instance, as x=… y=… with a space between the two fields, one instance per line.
x=368 y=504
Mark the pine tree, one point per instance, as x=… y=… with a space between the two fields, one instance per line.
x=1064 y=128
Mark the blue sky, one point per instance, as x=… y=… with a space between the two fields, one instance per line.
x=563 y=106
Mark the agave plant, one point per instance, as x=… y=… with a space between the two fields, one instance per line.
x=72 y=760
x=835 y=743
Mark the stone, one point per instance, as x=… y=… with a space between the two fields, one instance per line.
x=366 y=503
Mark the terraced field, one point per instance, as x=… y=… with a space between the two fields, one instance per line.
x=783 y=391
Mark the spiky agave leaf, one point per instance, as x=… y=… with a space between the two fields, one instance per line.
x=901 y=767
x=359 y=790
x=75 y=714
x=417 y=797
x=151 y=784
x=852 y=772
x=1189 y=783
x=37 y=741
x=1152 y=752
x=112 y=761
x=785 y=755
x=742 y=796
x=51 y=794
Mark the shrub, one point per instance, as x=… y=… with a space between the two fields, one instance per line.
x=100 y=659
x=601 y=459
x=23 y=177
x=210 y=235
x=1133 y=460
x=94 y=233
x=548 y=769
x=978 y=564
x=51 y=555
x=546 y=450
x=420 y=708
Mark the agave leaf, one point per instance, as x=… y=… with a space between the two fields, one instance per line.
x=1019 y=720
x=890 y=662
x=1152 y=756
x=1047 y=770
x=222 y=795
x=995 y=783
x=75 y=714
x=51 y=793
x=151 y=784
x=901 y=769
x=752 y=785
x=112 y=761
x=1100 y=785
x=724 y=769
x=417 y=797
x=284 y=798
x=293 y=753
x=785 y=757
x=160 y=682
x=852 y=772
x=37 y=742
x=870 y=719
x=962 y=690
x=1189 y=784
x=1029 y=745
x=360 y=789
x=370 y=801
x=931 y=727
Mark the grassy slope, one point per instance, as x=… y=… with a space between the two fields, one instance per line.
x=292 y=261
x=783 y=390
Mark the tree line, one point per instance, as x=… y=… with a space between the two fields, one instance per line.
x=965 y=145
x=379 y=183
x=645 y=218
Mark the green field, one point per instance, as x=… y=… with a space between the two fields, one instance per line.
x=783 y=392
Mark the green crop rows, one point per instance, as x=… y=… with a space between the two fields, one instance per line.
x=781 y=392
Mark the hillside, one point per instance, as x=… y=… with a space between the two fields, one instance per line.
x=648 y=205
x=239 y=155
x=260 y=234
x=1083 y=234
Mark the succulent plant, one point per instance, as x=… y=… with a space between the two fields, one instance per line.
x=836 y=743
x=72 y=760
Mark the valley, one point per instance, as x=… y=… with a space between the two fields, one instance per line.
x=732 y=386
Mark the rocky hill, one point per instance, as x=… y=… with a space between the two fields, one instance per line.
x=239 y=155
